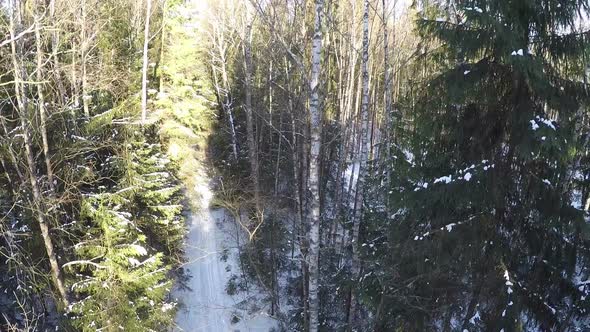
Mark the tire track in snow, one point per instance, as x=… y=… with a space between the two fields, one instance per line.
x=206 y=306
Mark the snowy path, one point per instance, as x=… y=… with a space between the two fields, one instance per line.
x=206 y=305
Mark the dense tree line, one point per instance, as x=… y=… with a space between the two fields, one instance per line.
x=426 y=169
x=390 y=168
x=92 y=226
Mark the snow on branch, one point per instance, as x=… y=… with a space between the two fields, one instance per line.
x=463 y=175
x=448 y=228
x=546 y=122
x=84 y=262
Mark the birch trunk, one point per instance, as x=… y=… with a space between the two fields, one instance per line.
x=314 y=170
x=22 y=107
x=227 y=107
x=297 y=195
x=41 y=102
x=387 y=72
x=75 y=88
x=144 y=68
x=224 y=90
x=271 y=127
x=388 y=105
x=278 y=161
x=55 y=55
x=11 y=152
x=162 y=46
x=83 y=48
x=363 y=156
x=252 y=149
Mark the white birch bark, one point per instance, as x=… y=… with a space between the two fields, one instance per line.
x=41 y=102
x=314 y=173
x=363 y=156
x=22 y=107
x=54 y=54
x=224 y=90
x=388 y=136
x=83 y=49
x=387 y=71
x=252 y=148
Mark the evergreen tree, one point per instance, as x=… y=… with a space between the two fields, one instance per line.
x=490 y=232
x=130 y=232
x=157 y=200
x=122 y=284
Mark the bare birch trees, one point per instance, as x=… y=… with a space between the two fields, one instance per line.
x=248 y=81
x=59 y=57
x=298 y=57
x=23 y=106
x=41 y=102
x=222 y=43
x=362 y=161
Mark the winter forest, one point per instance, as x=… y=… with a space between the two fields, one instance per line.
x=295 y=165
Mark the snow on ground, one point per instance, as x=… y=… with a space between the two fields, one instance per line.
x=206 y=306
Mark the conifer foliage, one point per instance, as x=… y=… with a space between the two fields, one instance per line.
x=131 y=233
x=490 y=231
x=386 y=168
x=92 y=228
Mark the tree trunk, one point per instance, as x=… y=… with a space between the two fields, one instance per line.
x=55 y=56
x=75 y=88
x=355 y=268
x=271 y=127
x=472 y=304
x=314 y=170
x=144 y=68
x=388 y=105
x=227 y=106
x=83 y=49
x=162 y=47
x=252 y=149
x=22 y=107
x=274 y=285
x=299 y=228
x=278 y=162
x=223 y=91
x=41 y=102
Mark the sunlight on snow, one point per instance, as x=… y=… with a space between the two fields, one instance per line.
x=206 y=197
x=174 y=150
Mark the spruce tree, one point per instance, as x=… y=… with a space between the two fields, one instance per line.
x=490 y=231
x=129 y=231
x=157 y=200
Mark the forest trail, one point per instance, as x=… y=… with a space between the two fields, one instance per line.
x=211 y=246
x=206 y=306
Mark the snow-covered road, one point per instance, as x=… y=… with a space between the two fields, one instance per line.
x=206 y=306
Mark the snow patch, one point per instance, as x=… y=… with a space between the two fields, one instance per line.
x=206 y=305
x=446 y=179
x=141 y=251
x=476 y=9
x=467 y=176
x=520 y=52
